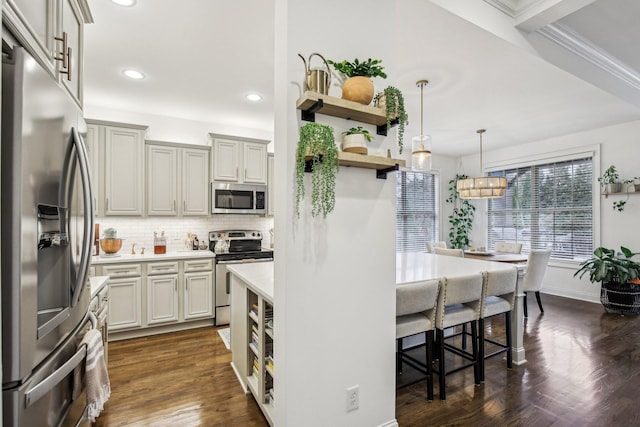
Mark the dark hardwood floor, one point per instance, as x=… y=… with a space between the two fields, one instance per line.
x=583 y=369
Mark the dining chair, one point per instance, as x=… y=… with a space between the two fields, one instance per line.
x=458 y=303
x=532 y=280
x=499 y=293
x=416 y=314
x=509 y=247
x=432 y=245
x=449 y=252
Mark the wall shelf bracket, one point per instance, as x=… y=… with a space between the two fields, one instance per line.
x=309 y=114
x=382 y=173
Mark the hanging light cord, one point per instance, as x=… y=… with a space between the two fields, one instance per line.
x=422 y=83
x=481 y=131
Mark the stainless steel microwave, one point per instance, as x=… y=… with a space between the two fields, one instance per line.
x=232 y=198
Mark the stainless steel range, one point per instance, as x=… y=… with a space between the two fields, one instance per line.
x=233 y=247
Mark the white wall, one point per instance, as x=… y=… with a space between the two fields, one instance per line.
x=618 y=145
x=172 y=129
x=335 y=277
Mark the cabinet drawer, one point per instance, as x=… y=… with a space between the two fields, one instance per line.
x=197 y=265
x=122 y=270
x=170 y=267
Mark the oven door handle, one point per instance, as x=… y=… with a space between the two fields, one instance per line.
x=45 y=386
x=245 y=261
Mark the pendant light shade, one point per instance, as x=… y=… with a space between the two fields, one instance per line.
x=484 y=187
x=421 y=145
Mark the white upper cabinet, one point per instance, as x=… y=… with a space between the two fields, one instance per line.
x=177 y=180
x=53 y=33
x=118 y=172
x=242 y=160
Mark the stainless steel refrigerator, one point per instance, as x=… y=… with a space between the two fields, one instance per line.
x=47 y=233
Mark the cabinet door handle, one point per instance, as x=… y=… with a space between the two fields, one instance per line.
x=106 y=206
x=237 y=172
x=184 y=206
x=63 y=56
x=174 y=205
x=245 y=173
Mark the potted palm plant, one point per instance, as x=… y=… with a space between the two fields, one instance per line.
x=358 y=86
x=618 y=274
x=391 y=101
x=317 y=153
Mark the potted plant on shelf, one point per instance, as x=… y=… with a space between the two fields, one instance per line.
x=355 y=140
x=317 y=153
x=618 y=274
x=609 y=181
x=358 y=86
x=391 y=101
x=461 y=219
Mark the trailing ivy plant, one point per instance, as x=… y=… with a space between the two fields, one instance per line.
x=461 y=219
x=317 y=146
x=394 y=108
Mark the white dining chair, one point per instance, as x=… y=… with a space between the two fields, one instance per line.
x=432 y=245
x=532 y=280
x=509 y=247
x=450 y=252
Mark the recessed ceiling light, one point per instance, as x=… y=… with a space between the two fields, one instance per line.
x=254 y=97
x=126 y=3
x=133 y=74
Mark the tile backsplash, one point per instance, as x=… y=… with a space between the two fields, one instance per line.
x=140 y=230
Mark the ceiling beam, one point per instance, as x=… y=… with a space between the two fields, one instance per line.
x=546 y=12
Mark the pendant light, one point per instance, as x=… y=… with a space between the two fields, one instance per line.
x=421 y=145
x=484 y=187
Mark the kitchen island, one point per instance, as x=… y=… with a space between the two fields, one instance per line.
x=252 y=336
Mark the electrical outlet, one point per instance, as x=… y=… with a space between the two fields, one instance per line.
x=353 y=398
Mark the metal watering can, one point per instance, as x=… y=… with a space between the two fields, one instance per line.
x=317 y=79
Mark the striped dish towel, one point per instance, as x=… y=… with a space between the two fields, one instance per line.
x=98 y=388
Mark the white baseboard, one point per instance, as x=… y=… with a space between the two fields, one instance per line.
x=392 y=423
x=582 y=296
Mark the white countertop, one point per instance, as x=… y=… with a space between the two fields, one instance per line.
x=150 y=256
x=97 y=283
x=415 y=266
x=257 y=275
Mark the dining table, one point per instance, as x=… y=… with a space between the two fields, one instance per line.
x=418 y=266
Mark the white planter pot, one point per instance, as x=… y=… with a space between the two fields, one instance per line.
x=355 y=143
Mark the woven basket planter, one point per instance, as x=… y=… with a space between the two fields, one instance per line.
x=621 y=298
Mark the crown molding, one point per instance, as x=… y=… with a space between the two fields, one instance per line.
x=514 y=8
x=593 y=54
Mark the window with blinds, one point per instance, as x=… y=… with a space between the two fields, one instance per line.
x=417 y=211
x=546 y=205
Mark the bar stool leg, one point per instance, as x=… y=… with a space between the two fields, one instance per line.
x=481 y=347
x=429 y=341
x=507 y=327
x=474 y=351
x=441 y=371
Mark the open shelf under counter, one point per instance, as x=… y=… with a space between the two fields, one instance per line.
x=311 y=103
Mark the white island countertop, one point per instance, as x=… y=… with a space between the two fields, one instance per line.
x=415 y=266
x=257 y=275
x=97 y=283
x=148 y=256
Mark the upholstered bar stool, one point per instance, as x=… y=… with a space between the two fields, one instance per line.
x=449 y=252
x=499 y=297
x=415 y=314
x=458 y=303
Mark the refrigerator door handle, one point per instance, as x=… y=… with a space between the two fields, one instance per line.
x=88 y=232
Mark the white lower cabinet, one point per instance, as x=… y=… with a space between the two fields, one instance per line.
x=154 y=297
x=125 y=309
x=198 y=300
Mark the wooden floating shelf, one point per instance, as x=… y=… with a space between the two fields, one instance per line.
x=314 y=102
x=382 y=165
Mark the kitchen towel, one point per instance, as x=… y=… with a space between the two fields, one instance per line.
x=98 y=388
